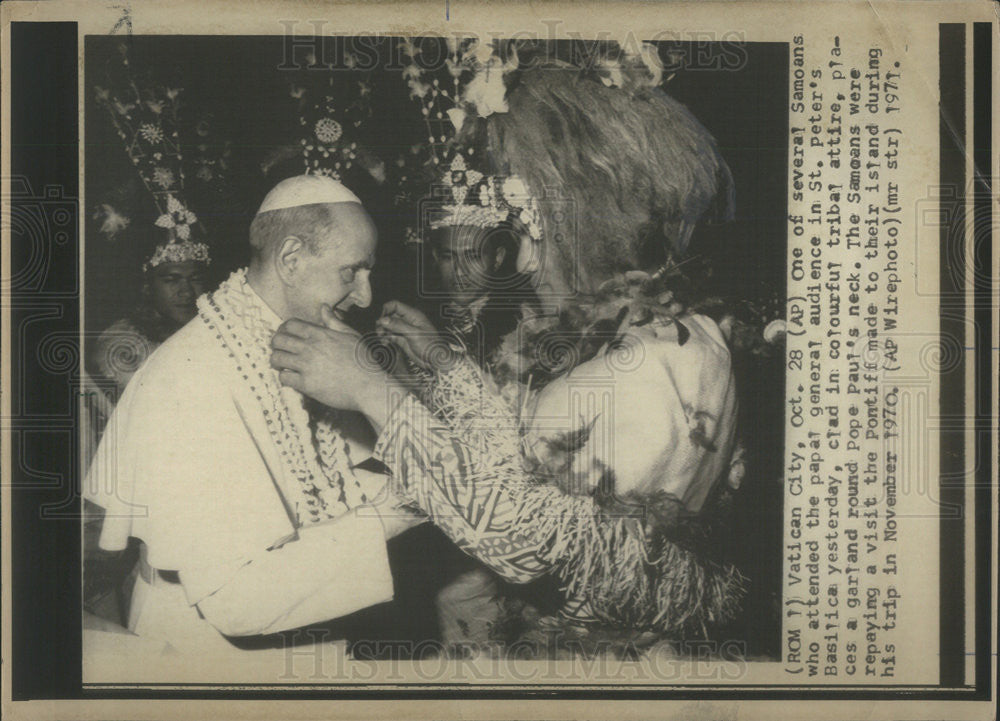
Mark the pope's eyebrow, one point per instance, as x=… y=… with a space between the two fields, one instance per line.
x=367 y=264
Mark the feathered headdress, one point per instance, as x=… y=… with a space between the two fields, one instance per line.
x=638 y=168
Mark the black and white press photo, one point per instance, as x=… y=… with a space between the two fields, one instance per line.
x=510 y=360
x=532 y=389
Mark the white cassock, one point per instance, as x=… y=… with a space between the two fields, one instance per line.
x=187 y=464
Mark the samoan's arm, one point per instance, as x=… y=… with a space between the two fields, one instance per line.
x=118 y=353
x=465 y=470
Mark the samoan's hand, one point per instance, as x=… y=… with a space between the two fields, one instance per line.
x=324 y=363
x=410 y=329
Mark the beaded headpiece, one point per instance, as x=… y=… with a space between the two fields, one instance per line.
x=178 y=252
x=329 y=120
x=485 y=201
x=468 y=83
x=330 y=110
x=146 y=119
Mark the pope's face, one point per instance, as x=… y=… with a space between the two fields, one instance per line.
x=173 y=289
x=338 y=272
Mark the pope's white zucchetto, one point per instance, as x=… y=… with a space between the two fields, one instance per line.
x=306 y=190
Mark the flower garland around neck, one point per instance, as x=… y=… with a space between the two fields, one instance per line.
x=319 y=461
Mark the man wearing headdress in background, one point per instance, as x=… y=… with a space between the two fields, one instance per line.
x=255 y=514
x=173 y=278
x=526 y=468
x=474 y=261
x=479 y=291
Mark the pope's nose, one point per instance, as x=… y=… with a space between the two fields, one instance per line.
x=362 y=295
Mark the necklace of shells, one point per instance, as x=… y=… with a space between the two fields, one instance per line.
x=314 y=453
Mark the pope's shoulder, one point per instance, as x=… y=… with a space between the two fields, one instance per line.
x=192 y=358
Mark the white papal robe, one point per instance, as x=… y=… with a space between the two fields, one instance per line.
x=187 y=464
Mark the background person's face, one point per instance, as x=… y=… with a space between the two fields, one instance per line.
x=467 y=262
x=173 y=288
x=338 y=273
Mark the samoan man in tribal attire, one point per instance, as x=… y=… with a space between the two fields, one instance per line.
x=599 y=446
x=173 y=278
x=474 y=270
x=255 y=515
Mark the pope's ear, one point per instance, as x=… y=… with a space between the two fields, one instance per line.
x=290 y=257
